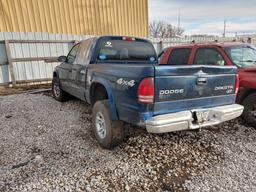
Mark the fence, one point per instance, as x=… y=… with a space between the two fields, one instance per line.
x=31 y=57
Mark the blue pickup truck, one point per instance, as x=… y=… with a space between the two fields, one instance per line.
x=123 y=81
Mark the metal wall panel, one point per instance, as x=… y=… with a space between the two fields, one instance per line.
x=88 y=17
x=28 y=70
x=4 y=69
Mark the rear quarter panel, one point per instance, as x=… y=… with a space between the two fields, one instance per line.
x=247 y=83
x=121 y=81
x=247 y=78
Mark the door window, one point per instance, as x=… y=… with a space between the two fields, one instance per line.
x=72 y=54
x=242 y=56
x=179 y=56
x=209 y=56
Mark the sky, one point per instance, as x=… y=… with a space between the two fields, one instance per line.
x=207 y=16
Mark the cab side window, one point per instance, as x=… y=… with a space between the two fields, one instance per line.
x=72 y=54
x=179 y=56
x=209 y=56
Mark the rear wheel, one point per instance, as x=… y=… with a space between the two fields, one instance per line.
x=249 y=114
x=57 y=92
x=107 y=132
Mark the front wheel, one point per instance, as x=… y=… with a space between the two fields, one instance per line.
x=249 y=114
x=107 y=132
x=57 y=92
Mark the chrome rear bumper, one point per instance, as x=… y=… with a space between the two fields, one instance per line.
x=184 y=120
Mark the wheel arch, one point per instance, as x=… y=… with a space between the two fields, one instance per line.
x=244 y=93
x=55 y=74
x=100 y=90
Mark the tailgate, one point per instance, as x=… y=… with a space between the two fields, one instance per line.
x=186 y=87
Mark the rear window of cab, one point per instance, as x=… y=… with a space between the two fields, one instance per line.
x=126 y=49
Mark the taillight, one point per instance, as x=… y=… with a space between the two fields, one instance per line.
x=146 y=90
x=237 y=84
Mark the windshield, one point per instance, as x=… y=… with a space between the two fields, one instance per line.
x=127 y=50
x=242 y=56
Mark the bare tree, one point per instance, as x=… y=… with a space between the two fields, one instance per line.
x=156 y=28
x=161 y=29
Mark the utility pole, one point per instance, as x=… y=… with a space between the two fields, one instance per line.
x=179 y=19
x=224 y=31
x=178 y=27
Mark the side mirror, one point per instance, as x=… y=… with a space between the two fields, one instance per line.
x=62 y=59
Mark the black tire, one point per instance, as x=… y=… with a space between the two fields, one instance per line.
x=61 y=95
x=113 y=132
x=249 y=114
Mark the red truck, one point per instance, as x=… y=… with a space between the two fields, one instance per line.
x=237 y=54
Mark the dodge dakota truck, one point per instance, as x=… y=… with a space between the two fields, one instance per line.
x=238 y=54
x=121 y=78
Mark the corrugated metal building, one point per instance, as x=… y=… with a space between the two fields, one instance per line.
x=88 y=17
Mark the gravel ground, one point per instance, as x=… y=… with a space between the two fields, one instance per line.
x=49 y=146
